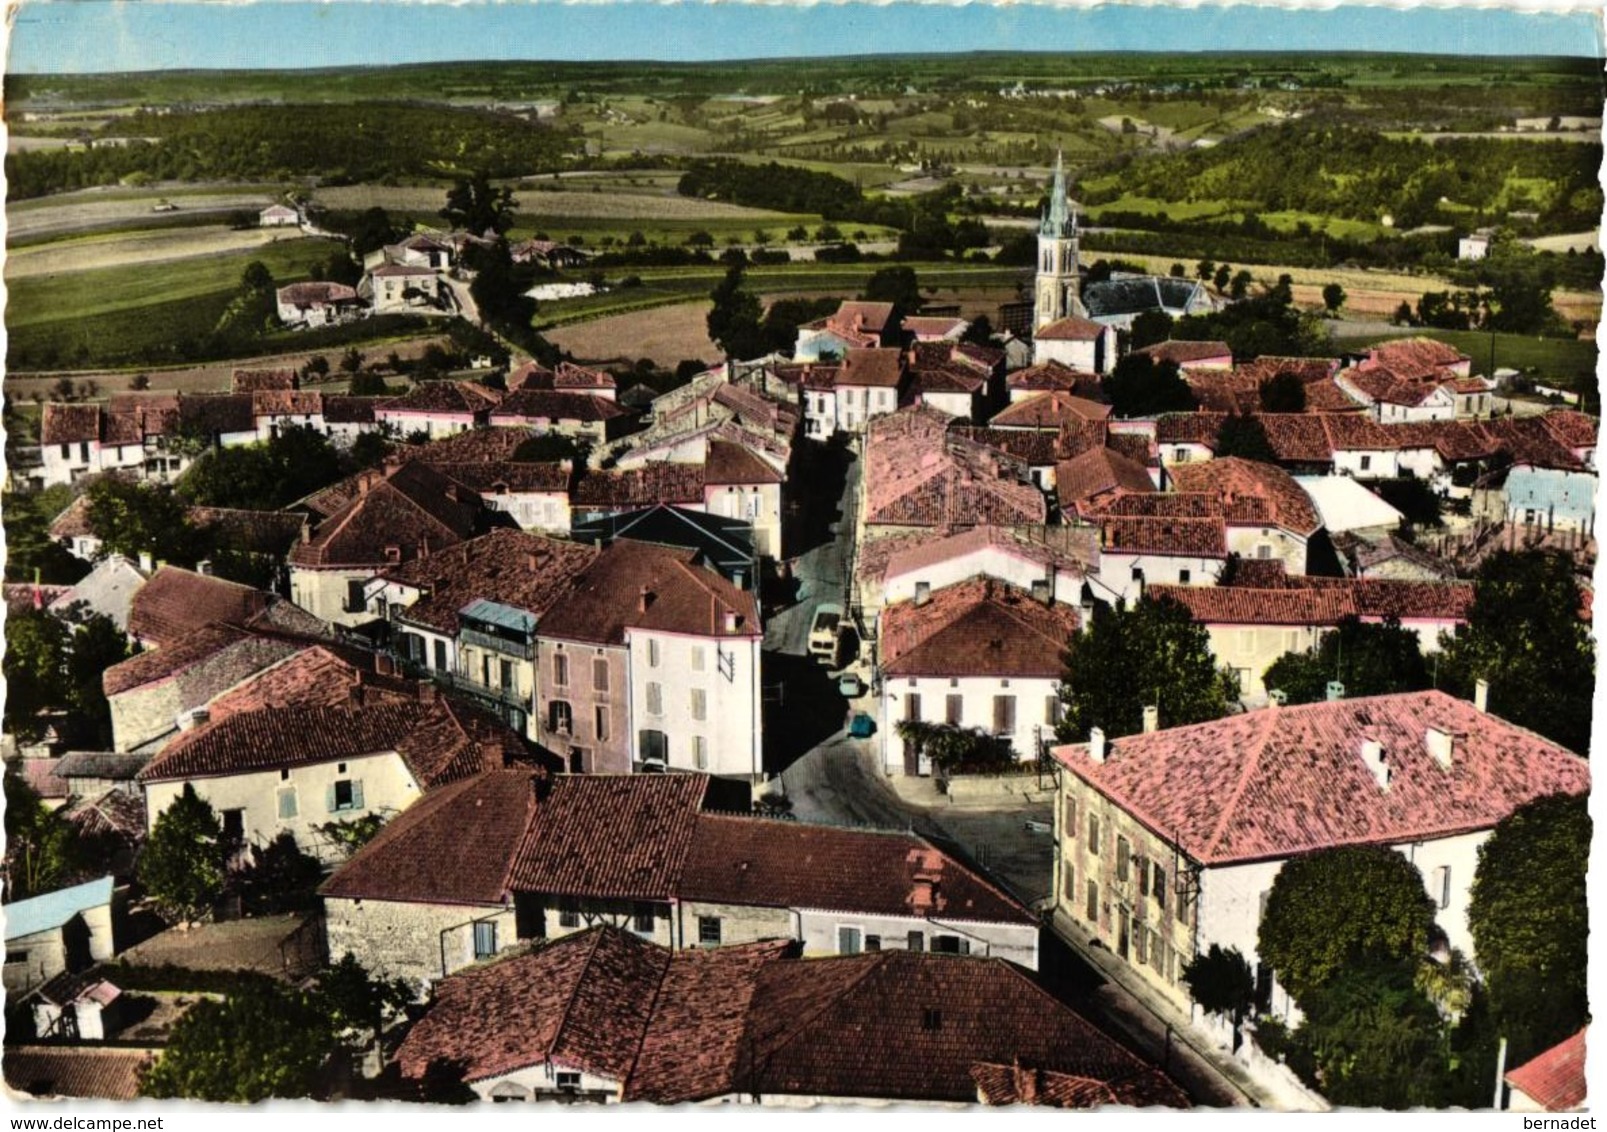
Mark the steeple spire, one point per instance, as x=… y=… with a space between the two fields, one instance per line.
x=1058 y=221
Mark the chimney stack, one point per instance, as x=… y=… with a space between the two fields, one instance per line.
x=492 y=754
x=1152 y=719
x=1096 y=744
x=644 y=599
x=1372 y=755
x=426 y=692
x=1481 y=696
x=1441 y=746
x=384 y=665
x=147 y=564
x=730 y=621
x=1336 y=691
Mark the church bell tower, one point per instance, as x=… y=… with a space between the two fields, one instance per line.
x=1057 y=287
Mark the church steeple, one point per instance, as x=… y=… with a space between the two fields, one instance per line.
x=1057 y=286
x=1058 y=221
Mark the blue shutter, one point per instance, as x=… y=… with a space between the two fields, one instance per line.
x=329 y=797
x=357 y=795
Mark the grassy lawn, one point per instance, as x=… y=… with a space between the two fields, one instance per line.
x=1565 y=361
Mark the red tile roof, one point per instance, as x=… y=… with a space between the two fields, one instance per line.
x=1177 y=537
x=1035 y=448
x=76 y=1071
x=976 y=628
x=855 y=316
x=1273 y=783
x=1573 y=428
x=875 y=368
x=947 y=379
x=1049 y=410
x=1017 y=1084
x=1240 y=605
x=1189 y=428
x=287 y=402
x=532 y=405
x=174 y=603
x=776 y=864
x=1251 y=492
x=627 y=490
x=1555 y=1080
x=1072 y=549
x=159 y=664
x=728 y=463
x=918 y=473
x=1529 y=441
x=251 y=380
x=1096 y=472
x=525 y=571
x=606 y=598
x=933 y=326
x=582 y=1002
x=340 y=409
x=314 y=294
x=1297 y=438
x=322 y=674
x=1070 y=330
x=412 y=508
x=452 y=397
x=1052 y=376
x=1187 y=353
x=438 y=741
x=1413 y=358
x=61 y=423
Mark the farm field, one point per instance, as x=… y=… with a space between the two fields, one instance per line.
x=667 y=334
x=92 y=209
x=1564 y=360
x=605 y=205
x=149 y=247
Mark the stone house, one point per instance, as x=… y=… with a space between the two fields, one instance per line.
x=1076 y=343
x=1158 y=860
x=585 y=416
x=437 y=409
x=67 y=930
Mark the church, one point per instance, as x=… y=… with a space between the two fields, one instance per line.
x=1078 y=329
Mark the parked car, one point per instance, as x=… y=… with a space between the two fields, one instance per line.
x=862 y=726
x=823 y=631
x=850 y=685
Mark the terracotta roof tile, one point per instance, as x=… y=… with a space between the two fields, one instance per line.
x=287 y=402
x=611 y=836
x=1529 y=441
x=252 y=380
x=532 y=405
x=876 y=368
x=193 y=648
x=1049 y=410
x=859 y=317
x=729 y=463
x=525 y=571
x=1074 y=549
x=255 y=532
x=339 y=409
x=1297 y=438
x=775 y=864
x=918 y=473
x=1051 y=377
x=1273 y=783
x=1239 y=605
x=1034 y=447
x=1070 y=330
x=1187 y=538
x=976 y=628
x=1018 y=1084
x=947 y=379
x=174 y=603
x=316 y=675
x=1096 y=472
x=1251 y=492
x=1555 y=1080
x=1413 y=358
x=76 y=1071
x=1572 y=428
x=61 y=423
x=657 y=482
x=212 y=414
x=1187 y=352
x=447 y=397
x=1189 y=428
x=412 y=508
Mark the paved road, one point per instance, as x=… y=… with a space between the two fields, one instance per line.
x=822 y=575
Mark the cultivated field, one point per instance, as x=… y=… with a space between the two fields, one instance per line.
x=92 y=253
x=113 y=207
x=599 y=205
x=666 y=334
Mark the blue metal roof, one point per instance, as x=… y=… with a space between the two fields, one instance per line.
x=495 y=613
x=1552 y=492
x=53 y=909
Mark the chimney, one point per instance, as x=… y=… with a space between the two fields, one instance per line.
x=1373 y=757
x=730 y=621
x=1336 y=691
x=1481 y=696
x=384 y=665
x=147 y=564
x=424 y=547
x=1277 y=697
x=1043 y=590
x=1152 y=719
x=426 y=692
x=1096 y=744
x=644 y=599
x=306 y=530
x=354 y=695
x=531 y=561
x=1441 y=746
x=492 y=754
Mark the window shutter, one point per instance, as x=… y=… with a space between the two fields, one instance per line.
x=357 y=794
x=329 y=797
x=287 y=804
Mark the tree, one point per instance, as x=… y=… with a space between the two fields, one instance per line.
x=1223 y=274
x=896 y=285
x=1333 y=297
x=1142 y=387
x=262 y=1041
x=356 y=1004
x=1243 y=436
x=1530 y=922
x=1403 y=315
x=1151 y=654
x=954 y=749
x=1149 y=327
x=474 y=205
x=1525 y=636
x=1337 y=907
x=1369 y=660
x=35 y=664
x=353 y=833
x=367 y=384
x=734 y=322
x=183 y=860
x=370 y=449
x=94 y=644
x=1179 y=271
x=1240 y=286
x=1283 y=393
x=1204 y=270
x=256 y=277
x=40 y=846
x=317 y=366
x=139 y=518
x=701 y=239
x=1222 y=983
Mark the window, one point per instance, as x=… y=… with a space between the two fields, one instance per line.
x=699 y=661
x=18 y=956
x=66 y=451
x=1366 y=463
x=1141 y=945
x=1263 y=551
x=1262 y=913
x=1068 y=819
x=560 y=718
x=354 y=595
x=485 y=939
x=601 y=723
x=912 y=706
x=568 y=915
x=655 y=698
x=234 y=826
x=923 y=591
x=1157 y=887
x=954 y=710
x=1051 y=711
x=287 y=803
x=917 y=941
x=1123 y=858
x=83 y=450
x=1182 y=907
x=1093 y=835
x=1183 y=577
x=440 y=656
x=560 y=669
x=1440 y=887
x=700 y=704
x=1141 y=866
x=652 y=653
x=1093 y=902
x=700 y=752
x=950 y=945
x=642 y=919
x=708 y=931
x=505 y=671
x=568 y=1081
x=345 y=794
x=654 y=746
x=1004 y=714
x=1069 y=882
x=873 y=943
x=599 y=674
x=849 y=941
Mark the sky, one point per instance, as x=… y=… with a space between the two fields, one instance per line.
x=117 y=35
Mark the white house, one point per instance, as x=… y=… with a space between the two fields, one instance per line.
x=317 y=303
x=1169 y=842
x=1053 y=569
x=867 y=385
x=977 y=654
x=278 y=216
x=66 y=930
x=1077 y=343
x=402 y=288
